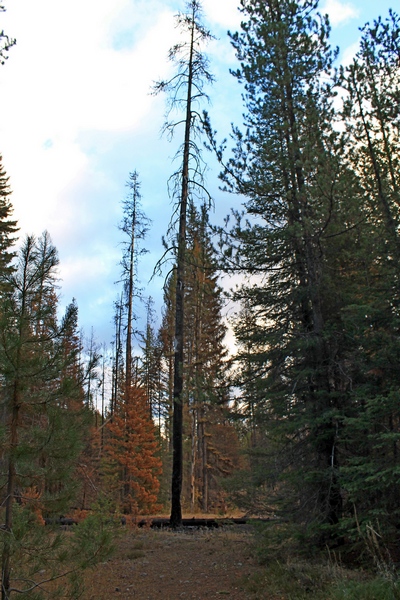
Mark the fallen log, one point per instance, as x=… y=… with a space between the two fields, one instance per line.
x=161 y=522
x=62 y=521
x=196 y=522
x=165 y=522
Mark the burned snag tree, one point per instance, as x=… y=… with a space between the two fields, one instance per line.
x=135 y=226
x=186 y=92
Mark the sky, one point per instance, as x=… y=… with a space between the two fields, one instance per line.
x=77 y=116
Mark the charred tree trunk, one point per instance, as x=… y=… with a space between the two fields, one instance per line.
x=177 y=422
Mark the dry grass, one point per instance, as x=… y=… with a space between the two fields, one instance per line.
x=195 y=564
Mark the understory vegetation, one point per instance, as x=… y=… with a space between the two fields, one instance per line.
x=290 y=571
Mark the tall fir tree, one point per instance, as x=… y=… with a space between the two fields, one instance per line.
x=372 y=119
x=134 y=226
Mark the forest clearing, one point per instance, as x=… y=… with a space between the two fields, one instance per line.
x=189 y=563
x=199 y=563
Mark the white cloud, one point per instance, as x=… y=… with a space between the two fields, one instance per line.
x=71 y=91
x=340 y=12
x=349 y=53
x=66 y=75
x=64 y=78
x=224 y=13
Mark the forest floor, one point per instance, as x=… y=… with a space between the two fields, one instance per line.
x=208 y=564
x=189 y=563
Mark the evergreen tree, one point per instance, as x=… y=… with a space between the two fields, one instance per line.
x=150 y=369
x=206 y=419
x=117 y=368
x=372 y=114
x=372 y=118
x=42 y=427
x=135 y=226
x=131 y=463
x=205 y=363
x=303 y=207
x=8 y=228
x=91 y=356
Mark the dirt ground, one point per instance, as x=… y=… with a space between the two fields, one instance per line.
x=188 y=563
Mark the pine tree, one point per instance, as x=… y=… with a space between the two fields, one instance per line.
x=8 y=228
x=42 y=428
x=135 y=226
x=90 y=349
x=303 y=205
x=150 y=369
x=372 y=118
x=206 y=418
x=132 y=466
x=78 y=375
x=205 y=360
x=372 y=114
x=117 y=368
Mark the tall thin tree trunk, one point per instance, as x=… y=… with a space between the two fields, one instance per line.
x=12 y=470
x=118 y=326
x=11 y=482
x=193 y=461
x=177 y=427
x=205 y=466
x=130 y=286
x=103 y=391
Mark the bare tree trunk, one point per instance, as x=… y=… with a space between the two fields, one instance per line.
x=130 y=282
x=115 y=383
x=177 y=427
x=193 y=461
x=205 y=468
x=6 y=564
x=12 y=471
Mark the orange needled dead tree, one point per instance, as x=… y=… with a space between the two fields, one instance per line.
x=132 y=452
x=131 y=449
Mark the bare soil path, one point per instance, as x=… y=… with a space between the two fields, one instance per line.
x=193 y=564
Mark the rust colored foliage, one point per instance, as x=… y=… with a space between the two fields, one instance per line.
x=132 y=454
x=32 y=499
